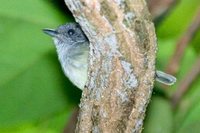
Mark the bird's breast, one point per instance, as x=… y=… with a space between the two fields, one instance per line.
x=75 y=68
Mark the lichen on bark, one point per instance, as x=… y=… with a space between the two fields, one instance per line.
x=121 y=64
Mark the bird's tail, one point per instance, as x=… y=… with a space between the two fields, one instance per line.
x=165 y=78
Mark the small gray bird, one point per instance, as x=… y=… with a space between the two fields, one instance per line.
x=73 y=48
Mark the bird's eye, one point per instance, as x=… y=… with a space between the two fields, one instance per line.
x=71 y=32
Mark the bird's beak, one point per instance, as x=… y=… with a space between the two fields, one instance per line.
x=50 y=32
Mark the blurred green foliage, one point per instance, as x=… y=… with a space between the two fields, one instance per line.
x=36 y=97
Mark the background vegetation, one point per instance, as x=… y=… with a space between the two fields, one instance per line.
x=36 y=97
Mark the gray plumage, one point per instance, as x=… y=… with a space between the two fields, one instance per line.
x=73 y=48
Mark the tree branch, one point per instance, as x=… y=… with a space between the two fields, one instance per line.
x=186 y=83
x=160 y=8
x=121 y=64
x=71 y=125
x=174 y=63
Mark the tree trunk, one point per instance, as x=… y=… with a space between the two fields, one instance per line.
x=121 y=64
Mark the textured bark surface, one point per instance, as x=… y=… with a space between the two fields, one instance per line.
x=121 y=64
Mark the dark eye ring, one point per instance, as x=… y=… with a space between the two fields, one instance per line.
x=71 y=32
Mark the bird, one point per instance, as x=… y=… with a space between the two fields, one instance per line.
x=72 y=48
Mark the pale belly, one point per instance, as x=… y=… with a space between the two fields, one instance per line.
x=78 y=76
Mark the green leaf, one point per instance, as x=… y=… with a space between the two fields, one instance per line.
x=159 y=117
x=191 y=120
x=53 y=124
x=178 y=19
x=186 y=118
x=188 y=110
x=32 y=84
x=165 y=50
x=34 y=11
x=187 y=114
x=195 y=42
